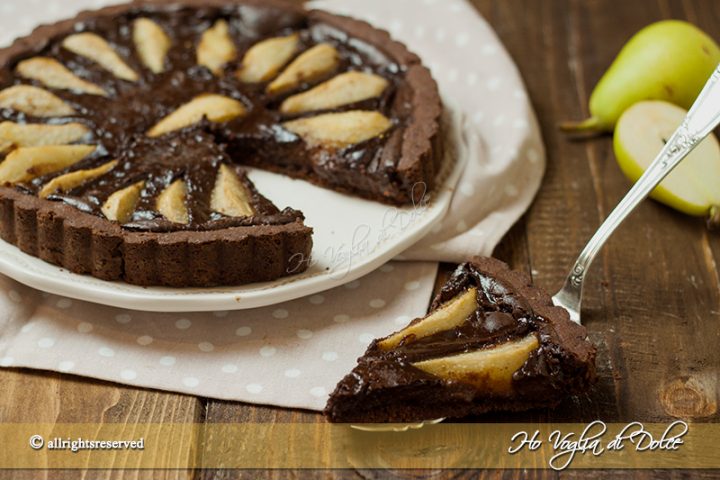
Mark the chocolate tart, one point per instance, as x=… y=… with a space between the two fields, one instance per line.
x=125 y=132
x=491 y=342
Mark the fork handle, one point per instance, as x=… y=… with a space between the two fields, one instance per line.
x=703 y=118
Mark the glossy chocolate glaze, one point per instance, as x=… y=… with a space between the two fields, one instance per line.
x=119 y=122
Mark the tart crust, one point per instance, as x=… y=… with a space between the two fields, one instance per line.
x=87 y=244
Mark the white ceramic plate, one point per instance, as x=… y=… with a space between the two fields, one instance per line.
x=352 y=238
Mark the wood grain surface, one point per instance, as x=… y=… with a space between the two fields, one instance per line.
x=653 y=299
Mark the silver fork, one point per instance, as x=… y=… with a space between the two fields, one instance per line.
x=703 y=118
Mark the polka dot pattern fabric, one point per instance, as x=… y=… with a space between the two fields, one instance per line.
x=293 y=354
x=289 y=356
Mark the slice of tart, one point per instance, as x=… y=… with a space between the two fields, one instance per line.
x=490 y=342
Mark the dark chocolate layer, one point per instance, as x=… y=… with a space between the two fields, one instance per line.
x=386 y=387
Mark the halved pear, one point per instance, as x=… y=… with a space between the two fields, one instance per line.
x=95 y=48
x=320 y=61
x=344 y=89
x=448 y=316
x=338 y=130
x=34 y=101
x=490 y=370
x=216 y=108
x=65 y=183
x=151 y=43
x=230 y=197
x=26 y=163
x=53 y=74
x=120 y=206
x=171 y=202
x=216 y=48
x=265 y=59
x=36 y=135
x=694 y=186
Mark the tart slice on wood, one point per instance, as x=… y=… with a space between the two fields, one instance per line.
x=491 y=342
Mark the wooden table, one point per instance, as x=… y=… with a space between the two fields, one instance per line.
x=653 y=300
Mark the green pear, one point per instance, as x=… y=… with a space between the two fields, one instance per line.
x=669 y=60
x=694 y=186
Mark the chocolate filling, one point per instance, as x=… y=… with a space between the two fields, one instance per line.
x=120 y=121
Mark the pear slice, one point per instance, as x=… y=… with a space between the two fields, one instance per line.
x=26 y=163
x=230 y=197
x=53 y=74
x=264 y=60
x=320 y=61
x=95 y=48
x=152 y=44
x=450 y=315
x=65 y=183
x=345 y=89
x=36 y=135
x=120 y=206
x=489 y=370
x=338 y=130
x=216 y=48
x=217 y=108
x=171 y=202
x=642 y=131
x=34 y=101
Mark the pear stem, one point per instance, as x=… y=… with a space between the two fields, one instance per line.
x=713 y=221
x=589 y=126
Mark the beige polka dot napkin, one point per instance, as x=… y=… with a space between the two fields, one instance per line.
x=292 y=354
x=289 y=355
